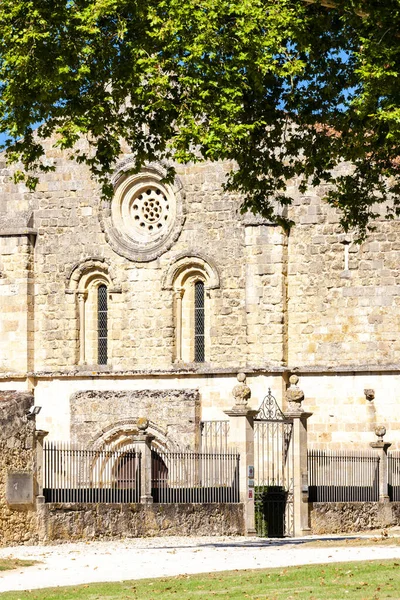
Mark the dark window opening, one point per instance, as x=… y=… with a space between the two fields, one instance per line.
x=199 y=355
x=102 y=332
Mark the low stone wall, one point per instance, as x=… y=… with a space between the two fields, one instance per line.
x=17 y=458
x=350 y=517
x=72 y=522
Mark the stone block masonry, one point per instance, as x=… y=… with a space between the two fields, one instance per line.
x=18 y=523
x=73 y=522
x=352 y=517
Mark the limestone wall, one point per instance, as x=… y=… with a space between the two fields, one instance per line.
x=16 y=301
x=71 y=522
x=343 y=297
x=351 y=517
x=140 y=316
x=17 y=522
x=214 y=390
x=310 y=301
x=343 y=417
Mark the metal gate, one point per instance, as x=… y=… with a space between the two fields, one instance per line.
x=273 y=471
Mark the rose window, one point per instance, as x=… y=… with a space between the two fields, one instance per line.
x=146 y=215
x=150 y=209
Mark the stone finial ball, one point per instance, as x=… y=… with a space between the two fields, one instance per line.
x=293 y=379
x=380 y=431
x=142 y=423
x=241 y=377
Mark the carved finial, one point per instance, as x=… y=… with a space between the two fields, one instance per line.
x=241 y=392
x=369 y=394
x=294 y=395
x=380 y=431
x=142 y=424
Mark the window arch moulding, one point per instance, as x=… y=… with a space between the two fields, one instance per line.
x=84 y=281
x=185 y=264
x=182 y=277
x=120 y=433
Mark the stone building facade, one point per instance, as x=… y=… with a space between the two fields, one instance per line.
x=150 y=304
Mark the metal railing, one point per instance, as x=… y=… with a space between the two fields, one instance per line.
x=394 y=476
x=214 y=436
x=194 y=477
x=75 y=474
x=343 y=476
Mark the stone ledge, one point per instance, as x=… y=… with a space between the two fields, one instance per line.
x=349 y=369
x=190 y=370
x=18 y=232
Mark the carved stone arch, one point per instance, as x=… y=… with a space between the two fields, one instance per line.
x=122 y=433
x=185 y=265
x=83 y=272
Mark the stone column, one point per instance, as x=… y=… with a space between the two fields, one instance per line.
x=381 y=448
x=178 y=324
x=241 y=438
x=39 y=475
x=82 y=333
x=143 y=444
x=294 y=397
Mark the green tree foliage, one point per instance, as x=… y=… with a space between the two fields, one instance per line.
x=285 y=88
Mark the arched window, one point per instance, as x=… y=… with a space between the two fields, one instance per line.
x=94 y=289
x=192 y=278
x=102 y=325
x=199 y=317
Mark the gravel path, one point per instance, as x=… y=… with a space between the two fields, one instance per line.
x=85 y=562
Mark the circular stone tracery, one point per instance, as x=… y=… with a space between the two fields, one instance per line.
x=150 y=209
x=146 y=216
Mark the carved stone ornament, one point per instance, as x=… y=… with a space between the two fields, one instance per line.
x=146 y=215
x=241 y=392
x=380 y=431
x=294 y=395
x=142 y=424
x=369 y=394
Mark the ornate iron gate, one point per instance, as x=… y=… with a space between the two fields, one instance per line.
x=273 y=470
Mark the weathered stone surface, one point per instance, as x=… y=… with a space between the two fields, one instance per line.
x=17 y=523
x=349 y=517
x=174 y=413
x=70 y=522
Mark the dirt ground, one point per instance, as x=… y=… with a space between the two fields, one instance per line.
x=86 y=562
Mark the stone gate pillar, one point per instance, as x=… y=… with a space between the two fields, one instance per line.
x=241 y=438
x=143 y=444
x=381 y=448
x=295 y=396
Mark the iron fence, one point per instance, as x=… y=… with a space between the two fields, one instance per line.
x=343 y=476
x=75 y=474
x=181 y=477
x=394 y=476
x=214 y=436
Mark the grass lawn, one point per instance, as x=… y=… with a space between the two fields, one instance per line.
x=14 y=563
x=372 y=580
